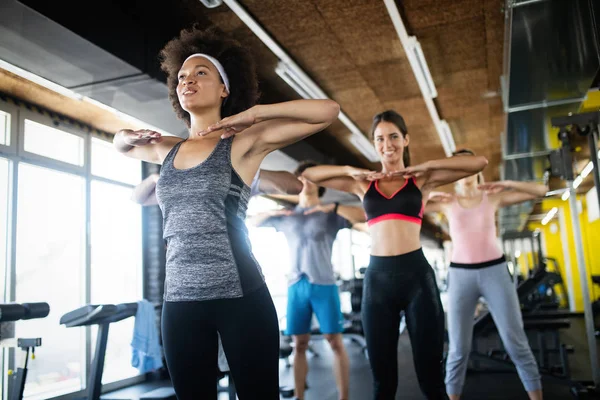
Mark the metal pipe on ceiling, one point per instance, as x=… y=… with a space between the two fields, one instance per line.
x=529 y=154
x=546 y=104
x=516 y=3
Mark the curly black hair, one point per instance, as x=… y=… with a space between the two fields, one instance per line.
x=396 y=119
x=305 y=165
x=236 y=60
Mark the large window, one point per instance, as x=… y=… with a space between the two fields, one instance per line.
x=116 y=249
x=77 y=241
x=4 y=128
x=271 y=250
x=50 y=258
x=107 y=163
x=116 y=273
x=53 y=143
x=361 y=250
x=4 y=192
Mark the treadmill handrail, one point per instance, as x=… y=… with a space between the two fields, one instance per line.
x=123 y=311
x=101 y=314
x=91 y=318
x=22 y=311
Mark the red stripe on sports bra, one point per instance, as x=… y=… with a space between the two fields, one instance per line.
x=386 y=217
x=395 y=193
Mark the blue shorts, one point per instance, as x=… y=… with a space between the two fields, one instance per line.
x=304 y=298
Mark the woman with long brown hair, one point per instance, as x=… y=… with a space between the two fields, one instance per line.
x=399 y=278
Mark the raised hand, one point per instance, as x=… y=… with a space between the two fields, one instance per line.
x=232 y=125
x=410 y=172
x=494 y=187
x=141 y=137
x=281 y=213
x=440 y=197
x=361 y=174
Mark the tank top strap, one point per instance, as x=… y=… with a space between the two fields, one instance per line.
x=221 y=155
x=486 y=197
x=454 y=206
x=168 y=161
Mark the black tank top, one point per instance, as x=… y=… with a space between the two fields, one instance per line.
x=405 y=204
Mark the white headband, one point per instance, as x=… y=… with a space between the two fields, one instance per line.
x=217 y=65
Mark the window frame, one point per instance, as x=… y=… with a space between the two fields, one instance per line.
x=16 y=154
x=13 y=111
x=48 y=161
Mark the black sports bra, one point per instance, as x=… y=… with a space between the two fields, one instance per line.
x=405 y=204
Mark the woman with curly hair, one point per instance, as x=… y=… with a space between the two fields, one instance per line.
x=213 y=284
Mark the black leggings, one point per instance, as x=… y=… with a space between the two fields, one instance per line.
x=250 y=335
x=403 y=283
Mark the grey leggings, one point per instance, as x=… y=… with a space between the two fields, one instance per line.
x=495 y=284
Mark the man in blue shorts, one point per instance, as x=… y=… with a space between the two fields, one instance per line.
x=311 y=229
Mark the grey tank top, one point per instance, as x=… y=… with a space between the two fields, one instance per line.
x=208 y=251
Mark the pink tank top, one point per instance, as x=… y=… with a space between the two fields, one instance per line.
x=473 y=233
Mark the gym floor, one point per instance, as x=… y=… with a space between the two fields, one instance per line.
x=480 y=386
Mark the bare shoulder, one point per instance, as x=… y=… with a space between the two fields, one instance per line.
x=362 y=187
x=244 y=159
x=166 y=144
x=495 y=198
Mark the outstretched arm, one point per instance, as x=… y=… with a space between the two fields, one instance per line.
x=352 y=214
x=278 y=182
x=507 y=193
x=145 y=192
x=273 y=126
x=344 y=178
x=434 y=173
x=438 y=202
x=144 y=144
x=355 y=215
x=259 y=219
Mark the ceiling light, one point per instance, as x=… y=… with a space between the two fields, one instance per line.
x=445 y=134
x=211 y=3
x=422 y=73
x=586 y=171
x=490 y=94
x=550 y=215
x=308 y=90
x=292 y=83
x=415 y=56
x=365 y=147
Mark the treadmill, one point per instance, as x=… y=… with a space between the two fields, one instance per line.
x=102 y=315
x=9 y=313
